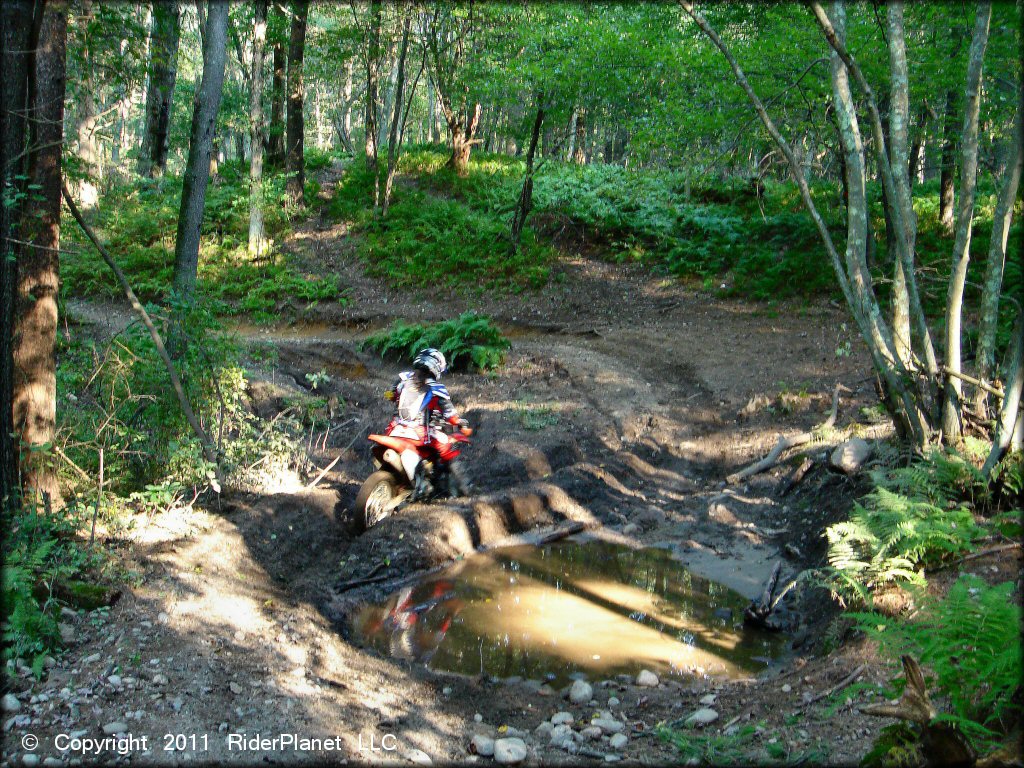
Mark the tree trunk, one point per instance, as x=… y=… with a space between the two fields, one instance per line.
x=951 y=425
x=200 y=150
x=947 y=166
x=463 y=133
x=431 y=112
x=899 y=112
x=992 y=286
x=294 y=159
x=372 y=72
x=259 y=40
x=16 y=52
x=394 y=139
x=526 y=195
x=571 y=150
x=388 y=107
x=579 y=155
x=163 y=72
x=275 y=135
x=1008 y=428
x=38 y=267
x=345 y=124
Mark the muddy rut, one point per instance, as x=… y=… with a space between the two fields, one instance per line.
x=625 y=401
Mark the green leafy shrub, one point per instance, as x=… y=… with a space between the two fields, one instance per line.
x=970 y=640
x=470 y=340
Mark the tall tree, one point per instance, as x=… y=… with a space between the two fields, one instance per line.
x=275 y=136
x=951 y=416
x=163 y=72
x=256 y=120
x=38 y=267
x=197 y=168
x=294 y=142
x=88 y=120
x=372 y=61
x=394 y=136
x=16 y=51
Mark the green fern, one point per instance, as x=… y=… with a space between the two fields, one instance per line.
x=468 y=341
x=892 y=538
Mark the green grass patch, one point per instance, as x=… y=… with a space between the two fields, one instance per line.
x=468 y=341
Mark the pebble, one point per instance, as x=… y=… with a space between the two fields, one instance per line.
x=702 y=717
x=708 y=700
x=482 y=745
x=591 y=733
x=618 y=741
x=629 y=529
x=543 y=731
x=67 y=633
x=177 y=704
x=562 y=718
x=417 y=756
x=10 y=703
x=115 y=727
x=115 y=680
x=478 y=718
x=509 y=751
x=30 y=760
x=787 y=688
x=92 y=659
x=647 y=679
x=162 y=680
x=447 y=690
x=163 y=618
x=545 y=690
x=614 y=701
x=52 y=762
x=612 y=758
x=235 y=687
x=608 y=724
x=581 y=692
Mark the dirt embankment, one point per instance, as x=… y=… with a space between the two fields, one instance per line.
x=624 y=403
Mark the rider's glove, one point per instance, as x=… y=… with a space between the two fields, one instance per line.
x=389 y=395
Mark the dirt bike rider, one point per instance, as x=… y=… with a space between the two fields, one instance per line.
x=422 y=402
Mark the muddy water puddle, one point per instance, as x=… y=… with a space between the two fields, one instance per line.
x=567 y=608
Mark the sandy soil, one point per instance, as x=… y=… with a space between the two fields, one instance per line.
x=648 y=393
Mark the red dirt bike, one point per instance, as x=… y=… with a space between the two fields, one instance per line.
x=405 y=470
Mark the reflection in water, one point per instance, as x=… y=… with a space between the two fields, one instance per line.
x=570 y=607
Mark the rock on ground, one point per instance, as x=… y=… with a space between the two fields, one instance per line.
x=702 y=717
x=509 y=751
x=482 y=745
x=647 y=679
x=581 y=692
x=850 y=456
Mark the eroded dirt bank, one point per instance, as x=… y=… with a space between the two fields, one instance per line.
x=624 y=403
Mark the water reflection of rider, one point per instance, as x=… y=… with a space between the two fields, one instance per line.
x=417 y=619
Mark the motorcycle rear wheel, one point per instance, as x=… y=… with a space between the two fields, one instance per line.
x=378 y=489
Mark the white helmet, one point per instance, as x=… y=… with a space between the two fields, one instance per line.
x=432 y=360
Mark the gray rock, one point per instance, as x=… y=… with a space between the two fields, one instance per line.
x=177 y=704
x=647 y=679
x=618 y=741
x=52 y=762
x=10 y=703
x=650 y=517
x=559 y=734
x=608 y=724
x=509 y=751
x=162 y=680
x=115 y=680
x=630 y=528
x=701 y=717
x=591 y=733
x=67 y=633
x=234 y=687
x=614 y=701
x=581 y=692
x=30 y=760
x=850 y=456
x=115 y=727
x=91 y=659
x=708 y=700
x=482 y=745
x=562 y=718
x=417 y=756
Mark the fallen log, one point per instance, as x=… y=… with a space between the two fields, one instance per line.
x=785 y=443
x=758 y=613
x=534 y=539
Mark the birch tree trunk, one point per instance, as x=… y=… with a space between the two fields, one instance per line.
x=259 y=40
x=197 y=168
x=295 y=139
x=1002 y=216
x=372 y=73
x=163 y=73
x=947 y=168
x=88 y=152
x=951 y=425
x=34 y=403
x=396 y=118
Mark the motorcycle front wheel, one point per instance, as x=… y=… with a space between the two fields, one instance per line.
x=372 y=503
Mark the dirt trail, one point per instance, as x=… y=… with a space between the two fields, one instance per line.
x=625 y=401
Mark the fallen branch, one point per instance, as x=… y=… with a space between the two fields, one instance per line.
x=209 y=451
x=758 y=613
x=785 y=443
x=975 y=382
x=323 y=472
x=794 y=478
x=837 y=687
